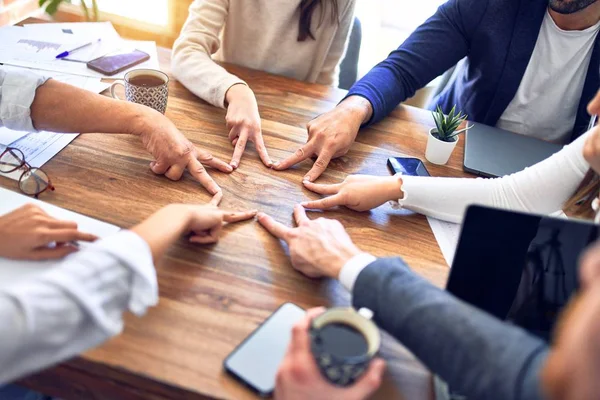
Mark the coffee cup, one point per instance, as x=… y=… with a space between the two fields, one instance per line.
x=148 y=87
x=344 y=342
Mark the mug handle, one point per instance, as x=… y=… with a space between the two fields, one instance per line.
x=112 y=89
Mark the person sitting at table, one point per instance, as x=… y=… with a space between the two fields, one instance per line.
x=79 y=302
x=563 y=181
x=30 y=102
x=300 y=39
x=478 y=355
x=530 y=67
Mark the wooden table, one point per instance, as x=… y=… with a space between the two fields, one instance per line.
x=213 y=297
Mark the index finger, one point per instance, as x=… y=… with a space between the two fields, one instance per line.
x=327 y=202
x=70 y=235
x=240 y=147
x=199 y=173
x=261 y=149
x=300 y=215
x=275 y=228
x=300 y=155
x=319 y=167
x=216 y=200
x=300 y=339
x=232 y=217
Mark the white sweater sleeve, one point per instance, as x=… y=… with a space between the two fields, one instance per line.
x=543 y=188
x=330 y=72
x=75 y=305
x=191 y=62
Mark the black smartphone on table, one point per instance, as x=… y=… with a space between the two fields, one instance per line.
x=113 y=63
x=256 y=360
x=407 y=166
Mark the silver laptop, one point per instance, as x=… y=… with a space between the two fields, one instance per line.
x=493 y=152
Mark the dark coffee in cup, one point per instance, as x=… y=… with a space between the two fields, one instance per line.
x=343 y=342
x=146 y=81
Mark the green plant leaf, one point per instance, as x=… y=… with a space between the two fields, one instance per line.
x=53 y=6
x=42 y=2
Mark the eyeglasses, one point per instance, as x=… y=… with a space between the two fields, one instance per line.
x=33 y=181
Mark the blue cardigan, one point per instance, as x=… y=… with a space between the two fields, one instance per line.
x=496 y=36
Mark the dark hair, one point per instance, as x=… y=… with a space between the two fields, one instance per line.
x=580 y=205
x=307 y=8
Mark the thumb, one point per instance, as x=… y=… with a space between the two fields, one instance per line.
x=369 y=382
x=158 y=167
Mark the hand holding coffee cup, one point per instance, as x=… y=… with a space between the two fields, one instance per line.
x=145 y=86
x=300 y=378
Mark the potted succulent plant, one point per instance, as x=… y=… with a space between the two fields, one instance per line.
x=443 y=138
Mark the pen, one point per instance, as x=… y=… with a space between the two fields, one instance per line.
x=592 y=121
x=67 y=53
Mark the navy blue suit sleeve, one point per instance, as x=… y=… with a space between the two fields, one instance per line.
x=436 y=46
x=476 y=353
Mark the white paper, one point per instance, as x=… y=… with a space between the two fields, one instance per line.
x=84 y=32
x=447 y=235
x=8 y=136
x=39 y=147
x=12 y=271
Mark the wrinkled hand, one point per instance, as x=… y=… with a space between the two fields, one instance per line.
x=299 y=377
x=174 y=153
x=318 y=248
x=243 y=122
x=357 y=192
x=28 y=232
x=330 y=136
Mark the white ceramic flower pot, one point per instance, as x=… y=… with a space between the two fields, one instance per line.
x=438 y=151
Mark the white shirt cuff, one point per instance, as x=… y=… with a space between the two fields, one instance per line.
x=17 y=92
x=353 y=268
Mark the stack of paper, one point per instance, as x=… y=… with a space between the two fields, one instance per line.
x=12 y=271
x=36 y=46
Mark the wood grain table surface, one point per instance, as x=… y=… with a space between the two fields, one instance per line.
x=212 y=297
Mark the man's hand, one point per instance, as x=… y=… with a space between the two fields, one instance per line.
x=28 y=232
x=357 y=192
x=330 y=136
x=318 y=248
x=174 y=153
x=243 y=122
x=591 y=149
x=299 y=377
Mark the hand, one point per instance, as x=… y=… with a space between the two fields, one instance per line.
x=28 y=232
x=174 y=153
x=243 y=122
x=202 y=223
x=330 y=136
x=299 y=377
x=357 y=192
x=318 y=248
x=591 y=149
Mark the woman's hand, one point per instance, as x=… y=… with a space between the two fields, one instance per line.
x=28 y=233
x=357 y=192
x=203 y=223
x=243 y=122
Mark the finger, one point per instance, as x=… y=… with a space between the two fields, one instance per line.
x=261 y=149
x=233 y=217
x=370 y=381
x=234 y=141
x=175 y=172
x=300 y=215
x=327 y=202
x=208 y=237
x=58 y=224
x=275 y=228
x=216 y=200
x=52 y=254
x=70 y=235
x=322 y=189
x=208 y=159
x=300 y=155
x=158 y=167
x=199 y=173
x=300 y=339
x=594 y=105
x=240 y=147
x=319 y=167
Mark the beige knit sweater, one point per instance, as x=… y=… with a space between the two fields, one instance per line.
x=258 y=34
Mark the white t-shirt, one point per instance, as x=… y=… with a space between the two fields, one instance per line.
x=547 y=100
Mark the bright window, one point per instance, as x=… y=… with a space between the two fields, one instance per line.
x=151 y=11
